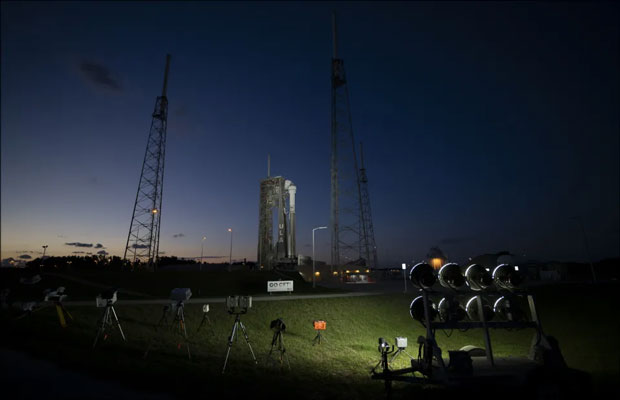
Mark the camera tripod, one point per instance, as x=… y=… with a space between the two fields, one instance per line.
x=277 y=344
x=179 y=321
x=397 y=353
x=205 y=320
x=105 y=322
x=238 y=324
x=318 y=338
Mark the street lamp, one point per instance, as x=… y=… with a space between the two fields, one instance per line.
x=202 y=247
x=43 y=257
x=313 y=262
x=230 y=256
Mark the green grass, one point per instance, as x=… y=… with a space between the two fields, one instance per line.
x=337 y=369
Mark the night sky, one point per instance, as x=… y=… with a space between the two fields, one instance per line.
x=486 y=126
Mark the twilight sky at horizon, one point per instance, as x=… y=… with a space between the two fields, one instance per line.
x=486 y=126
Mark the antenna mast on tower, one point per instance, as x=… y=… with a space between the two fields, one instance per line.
x=143 y=238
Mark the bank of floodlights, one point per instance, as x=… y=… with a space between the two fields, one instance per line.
x=508 y=309
x=422 y=276
x=450 y=310
x=507 y=276
x=450 y=276
x=416 y=310
x=478 y=277
x=473 y=312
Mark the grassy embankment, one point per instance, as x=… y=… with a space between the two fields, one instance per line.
x=580 y=318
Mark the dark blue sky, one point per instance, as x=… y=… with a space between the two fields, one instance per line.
x=487 y=126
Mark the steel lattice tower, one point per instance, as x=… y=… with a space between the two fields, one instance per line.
x=347 y=231
x=143 y=238
x=369 y=246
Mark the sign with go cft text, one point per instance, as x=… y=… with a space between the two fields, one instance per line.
x=279 y=286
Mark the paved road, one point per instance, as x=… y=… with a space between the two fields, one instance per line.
x=202 y=300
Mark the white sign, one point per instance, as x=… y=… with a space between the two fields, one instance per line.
x=279 y=286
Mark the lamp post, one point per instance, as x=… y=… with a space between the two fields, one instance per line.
x=230 y=256
x=313 y=262
x=42 y=257
x=404 y=267
x=202 y=247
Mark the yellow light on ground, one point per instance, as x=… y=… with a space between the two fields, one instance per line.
x=335 y=273
x=367 y=271
x=357 y=271
x=348 y=271
x=317 y=273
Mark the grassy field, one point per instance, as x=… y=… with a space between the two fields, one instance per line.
x=339 y=368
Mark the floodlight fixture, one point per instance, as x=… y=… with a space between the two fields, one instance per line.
x=238 y=304
x=401 y=342
x=450 y=310
x=422 y=276
x=450 y=276
x=478 y=277
x=416 y=310
x=507 y=276
x=471 y=308
x=508 y=309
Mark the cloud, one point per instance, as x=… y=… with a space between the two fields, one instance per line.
x=78 y=244
x=100 y=75
x=99 y=246
x=25 y=257
x=77 y=252
x=178 y=235
x=103 y=252
x=139 y=246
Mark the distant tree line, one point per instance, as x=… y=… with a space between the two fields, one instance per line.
x=96 y=263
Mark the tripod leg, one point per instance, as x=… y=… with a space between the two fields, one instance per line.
x=185 y=334
x=247 y=339
x=101 y=326
x=118 y=324
x=395 y=355
x=66 y=312
x=283 y=352
x=61 y=316
x=230 y=343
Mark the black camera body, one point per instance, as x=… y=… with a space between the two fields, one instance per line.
x=277 y=325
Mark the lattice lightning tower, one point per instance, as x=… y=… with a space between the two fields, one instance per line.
x=143 y=238
x=349 y=237
x=369 y=247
